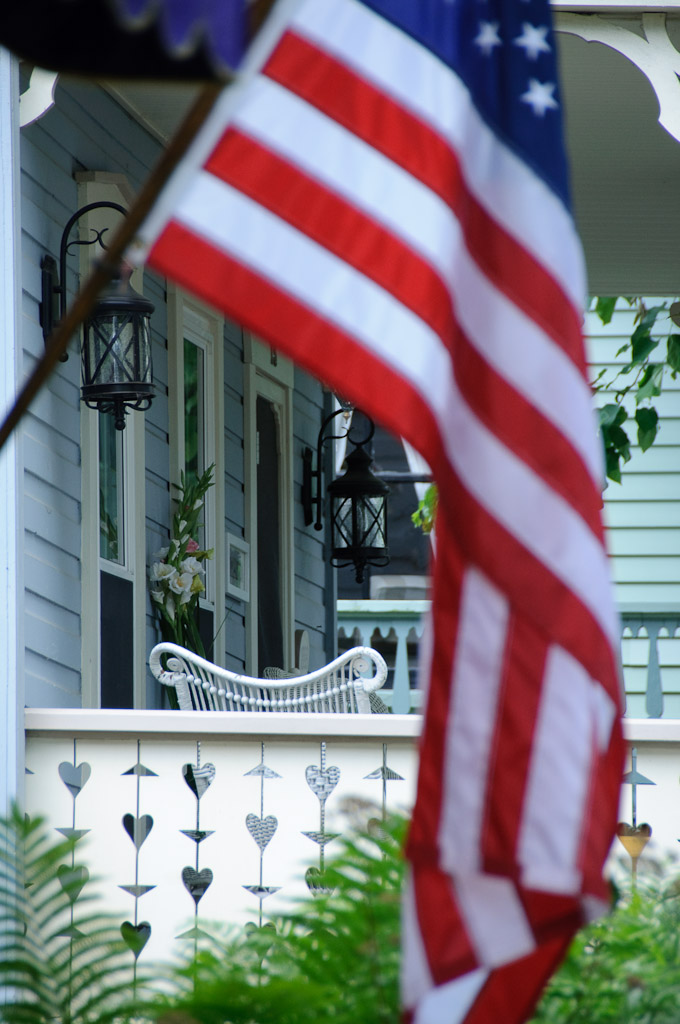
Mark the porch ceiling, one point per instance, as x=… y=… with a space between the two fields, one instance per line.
x=625 y=171
x=625 y=167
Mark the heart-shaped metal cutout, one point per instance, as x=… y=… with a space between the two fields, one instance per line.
x=72 y=880
x=316 y=882
x=322 y=781
x=137 y=828
x=261 y=829
x=74 y=776
x=198 y=778
x=197 y=882
x=624 y=829
x=633 y=838
x=135 y=936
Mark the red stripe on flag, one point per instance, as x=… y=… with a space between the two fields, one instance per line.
x=518 y=705
x=333 y=222
x=443 y=933
x=447 y=576
x=543 y=599
x=512 y=992
x=326 y=351
x=339 y=92
x=538 y=594
x=329 y=219
x=522 y=429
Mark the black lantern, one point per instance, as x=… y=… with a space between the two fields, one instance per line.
x=116 y=349
x=358 y=503
x=116 y=352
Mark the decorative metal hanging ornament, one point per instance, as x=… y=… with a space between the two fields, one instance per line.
x=197 y=880
x=136 y=934
x=262 y=830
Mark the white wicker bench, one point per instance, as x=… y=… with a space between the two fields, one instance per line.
x=342 y=686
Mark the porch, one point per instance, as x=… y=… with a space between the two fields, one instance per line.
x=210 y=819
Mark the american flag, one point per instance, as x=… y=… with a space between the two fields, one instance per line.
x=384 y=198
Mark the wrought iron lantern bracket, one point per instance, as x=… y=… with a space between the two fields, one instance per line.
x=116 y=347
x=358 y=501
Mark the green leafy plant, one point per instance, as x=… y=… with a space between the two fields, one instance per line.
x=424 y=515
x=623 y=969
x=176 y=578
x=59 y=961
x=640 y=377
x=335 y=957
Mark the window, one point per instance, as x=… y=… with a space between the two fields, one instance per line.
x=269 y=506
x=195 y=340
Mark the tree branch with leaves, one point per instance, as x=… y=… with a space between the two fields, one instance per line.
x=640 y=377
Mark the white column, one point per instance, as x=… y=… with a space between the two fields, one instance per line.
x=11 y=590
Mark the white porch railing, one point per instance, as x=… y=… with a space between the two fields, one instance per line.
x=650 y=653
x=195 y=818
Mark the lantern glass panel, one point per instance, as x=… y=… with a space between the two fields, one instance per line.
x=359 y=522
x=117 y=350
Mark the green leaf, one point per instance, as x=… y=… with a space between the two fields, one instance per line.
x=650 y=385
x=647 y=420
x=611 y=415
x=673 y=352
x=616 y=437
x=612 y=464
x=642 y=346
x=648 y=319
x=604 y=307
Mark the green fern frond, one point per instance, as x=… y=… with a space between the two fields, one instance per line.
x=61 y=962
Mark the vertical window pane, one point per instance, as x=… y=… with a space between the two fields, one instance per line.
x=194 y=410
x=269 y=554
x=111 y=523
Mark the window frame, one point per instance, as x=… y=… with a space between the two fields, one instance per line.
x=191 y=320
x=271 y=376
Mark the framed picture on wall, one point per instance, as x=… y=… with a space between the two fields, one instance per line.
x=238 y=567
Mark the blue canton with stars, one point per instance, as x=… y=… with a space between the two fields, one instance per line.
x=504 y=52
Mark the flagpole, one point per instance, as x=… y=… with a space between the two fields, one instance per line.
x=105 y=269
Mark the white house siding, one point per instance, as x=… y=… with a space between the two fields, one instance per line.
x=642 y=516
x=87 y=130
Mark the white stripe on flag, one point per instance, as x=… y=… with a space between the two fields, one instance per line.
x=494 y=919
x=424 y=85
x=476 y=676
x=451 y=1002
x=564 y=740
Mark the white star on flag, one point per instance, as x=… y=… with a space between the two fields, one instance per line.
x=532 y=40
x=540 y=97
x=488 y=37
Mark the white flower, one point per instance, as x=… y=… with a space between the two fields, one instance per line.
x=157 y=595
x=162 y=554
x=170 y=607
x=181 y=584
x=162 y=572
x=192 y=565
